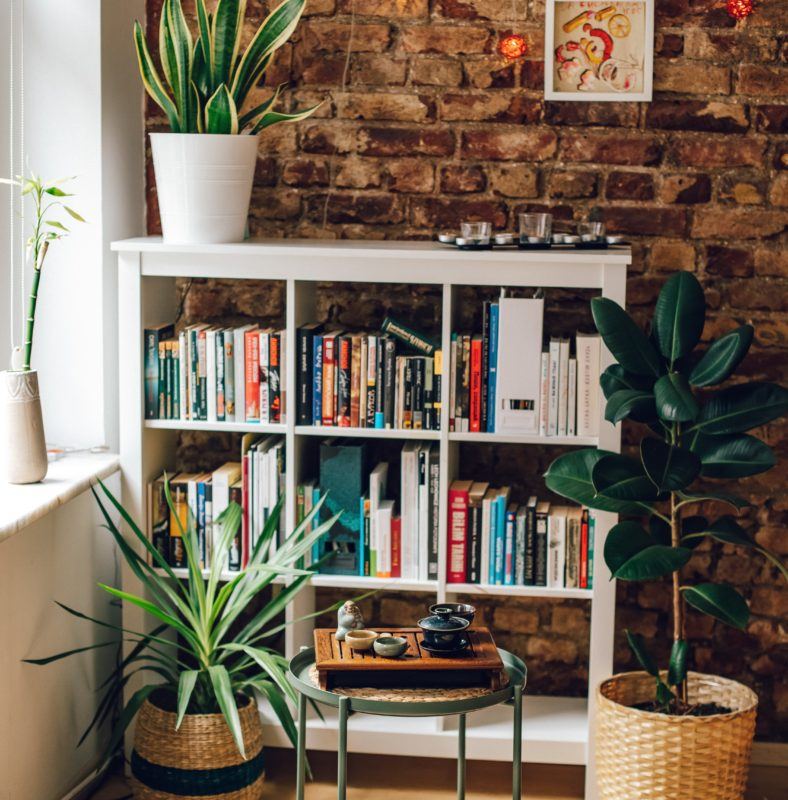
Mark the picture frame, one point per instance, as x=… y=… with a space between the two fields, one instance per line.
x=599 y=50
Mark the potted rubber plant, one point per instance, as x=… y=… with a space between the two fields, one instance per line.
x=667 y=731
x=205 y=166
x=198 y=731
x=24 y=446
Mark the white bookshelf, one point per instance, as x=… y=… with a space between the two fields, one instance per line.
x=556 y=730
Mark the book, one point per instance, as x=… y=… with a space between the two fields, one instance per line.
x=409 y=509
x=305 y=344
x=412 y=338
x=252 y=374
x=529 y=577
x=556 y=546
x=540 y=549
x=276 y=375
x=372 y=373
x=221 y=410
x=486 y=537
x=424 y=512
x=235 y=553
x=437 y=384
x=571 y=421
x=344 y=344
x=474 y=423
x=396 y=544
x=385 y=514
x=584 y=552
x=317 y=379
x=573 y=557
x=222 y=479
x=179 y=519
x=152 y=337
x=509 y=545
x=520 y=546
x=590 y=548
x=389 y=381
x=378 y=480
x=159 y=516
x=378 y=415
x=355 y=380
x=544 y=393
x=588 y=403
x=364 y=562
x=563 y=385
x=492 y=369
x=239 y=366
x=553 y=390
x=433 y=523
x=473 y=569
x=458 y=529
x=329 y=369
x=499 y=510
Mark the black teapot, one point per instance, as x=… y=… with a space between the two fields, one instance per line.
x=444 y=631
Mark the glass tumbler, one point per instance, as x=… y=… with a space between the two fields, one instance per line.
x=535 y=228
x=476 y=232
x=591 y=231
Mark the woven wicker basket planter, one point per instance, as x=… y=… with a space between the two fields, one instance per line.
x=198 y=761
x=643 y=755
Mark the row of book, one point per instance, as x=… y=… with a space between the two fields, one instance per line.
x=375 y=534
x=501 y=380
x=215 y=374
x=493 y=540
x=386 y=379
x=255 y=483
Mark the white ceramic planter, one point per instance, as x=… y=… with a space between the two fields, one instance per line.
x=24 y=450
x=204 y=184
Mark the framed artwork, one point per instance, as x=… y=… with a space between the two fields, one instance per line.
x=599 y=50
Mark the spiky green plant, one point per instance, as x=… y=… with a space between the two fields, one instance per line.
x=219 y=656
x=207 y=79
x=693 y=430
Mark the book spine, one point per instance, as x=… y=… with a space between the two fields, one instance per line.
x=380 y=388
x=364 y=542
x=584 y=551
x=491 y=544
x=229 y=375
x=571 y=420
x=396 y=547
x=590 y=549
x=317 y=380
x=329 y=365
x=176 y=379
x=556 y=528
x=465 y=391
x=409 y=336
x=476 y=385
x=544 y=393
x=239 y=366
x=500 y=540
x=162 y=381
x=221 y=400
x=530 y=546
x=305 y=379
x=485 y=368
x=458 y=530
x=372 y=371
x=474 y=534
x=389 y=381
x=540 y=557
x=552 y=416
x=453 y=383
x=234 y=555
x=407 y=392
x=429 y=395
x=362 y=381
x=160 y=520
x=264 y=350
x=252 y=375
x=183 y=377
x=202 y=367
x=418 y=393
x=343 y=381
x=194 y=375
x=563 y=386
x=492 y=380
x=179 y=519
x=434 y=515
x=355 y=381
x=509 y=553
x=275 y=377
x=519 y=548
x=168 y=382
x=437 y=389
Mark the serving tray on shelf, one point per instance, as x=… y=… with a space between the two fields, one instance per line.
x=338 y=665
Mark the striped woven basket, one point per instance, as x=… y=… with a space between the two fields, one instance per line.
x=642 y=755
x=200 y=760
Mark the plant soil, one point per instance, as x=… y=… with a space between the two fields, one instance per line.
x=682 y=710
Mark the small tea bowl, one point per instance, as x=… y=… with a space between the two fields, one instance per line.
x=360 y=640
x=461 y=610
x=390 y=646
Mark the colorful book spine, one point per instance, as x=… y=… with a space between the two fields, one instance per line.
x=412 y=338
x=317 y=380
x=343 y=381
x=492 y=368
x=252 y=375
x=509 y=545
x=476 y=385
x=458 y=531
x=275 y=365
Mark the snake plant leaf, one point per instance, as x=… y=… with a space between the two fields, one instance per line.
x=272 y=117
x=186 y=684
x=674 y=399
x=226 y=31
x=677 y=667
x=637 y=644
x=167 y=49
x=622 y=479
x=631 y=554
x=741 y=408
x=635 y=403
x=615 y=379
x=679 y=316
x=628 y=344
x=732 y=456
x=202 y=67
x=720 y=601
x=251 y=115
x=668 y=467
x=223 y=690
x=182 y=46
x=570 y=476
x=221 y=116
x=151 y=80
x=722 y=357
x=275 y=30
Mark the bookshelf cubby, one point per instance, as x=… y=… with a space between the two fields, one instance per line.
x=556 y=730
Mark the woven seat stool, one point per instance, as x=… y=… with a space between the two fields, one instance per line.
x=415 y=702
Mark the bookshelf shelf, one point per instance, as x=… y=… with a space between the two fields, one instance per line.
x=556 y=730
x=225 y=576
x=366 y=433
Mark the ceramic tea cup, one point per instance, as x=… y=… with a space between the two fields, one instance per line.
x=360 y=640
x=390 y=646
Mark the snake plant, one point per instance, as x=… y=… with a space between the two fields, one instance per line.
x=693 y=430
x=220 y=654
x=207 y=78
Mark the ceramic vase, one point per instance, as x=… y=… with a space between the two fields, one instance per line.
x=24 y=450
x=204 y=185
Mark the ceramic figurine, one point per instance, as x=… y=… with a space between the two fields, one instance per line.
x=349 y=618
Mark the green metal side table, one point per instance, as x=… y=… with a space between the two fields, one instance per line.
x=299 y=676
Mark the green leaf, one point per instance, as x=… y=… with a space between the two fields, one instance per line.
x=570 y=476
x=186 y=683
x=659 y=530
x=206 y=69
x=226 y=37
x=223 y=690
x=631 y=554
x=126 y=716
x=73 y=214
x=55 y=192
x=622 y=478
x=719 y=497
x=66 y=653
x=722 y=357
x=679 y=316
x=637 y=644
x=720 y=601
x=741 y=408
x=151 y=80
x=668 y=467
x=182 y=49
x=732 y=456
x=221 y=115
x=634 y=403
x=628 y=344
x=59 y=225
x=257 y=111
x=273 y=117
x=674 y=398
x=279 y=707
x=677 y=668
x=615 y=379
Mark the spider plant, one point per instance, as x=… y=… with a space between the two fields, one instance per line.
x=207 y=78
x=220 y=657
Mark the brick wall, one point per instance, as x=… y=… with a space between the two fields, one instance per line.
x=433 y=127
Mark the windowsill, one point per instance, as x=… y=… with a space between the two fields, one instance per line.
x=22 y=505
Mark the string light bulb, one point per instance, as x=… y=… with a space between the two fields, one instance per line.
x=739 y=9
x=514 y=46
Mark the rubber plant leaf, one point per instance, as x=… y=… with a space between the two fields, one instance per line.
x=679 y=316
x=722 y=357
x=741 y=408
x=732 y=455
x=720 y=601
x=677 y=666
x=674 y=399
x=622 y=478
x=635 y=403
x=628 y=344
x=668 y=467
x=632 y=555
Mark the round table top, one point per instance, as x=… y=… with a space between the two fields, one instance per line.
x=302 y=664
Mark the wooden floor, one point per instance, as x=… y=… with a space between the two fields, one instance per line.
x=373 y=777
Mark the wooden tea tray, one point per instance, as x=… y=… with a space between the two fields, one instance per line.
x=338 y=665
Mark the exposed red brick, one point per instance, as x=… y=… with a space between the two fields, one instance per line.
x=743 y=189
x=337 y=36
x=373 y=69
x=708 y=151
x=489 y=107
x=646 y=220
x=630 y=186
x=573 y=184
x=436 y=212
x=732 y=46
x=534 y=144
x=389 y=9
x=532 y=74
x=458 y=179
x=327 y=137
x=772 y=119
x=410 y=175
x=610 y=148
x=489 y=72
x=738 y=223
x=729 y=262
x=446 y=39
x=763 y=81
x=377 y=209
x=435 y=71
x=669 y=45
x=690 y=77
x=405 y=142
x=609 y=114
x=670 y=256
x=778 y=194
x=305 y=172
x=482 y=9
x=697 y=115
x=513 y=180
x=690 y=188
x=386 y=106
x=359 y=173
x=771 y=261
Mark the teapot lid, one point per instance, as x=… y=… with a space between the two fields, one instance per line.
x=443 y=621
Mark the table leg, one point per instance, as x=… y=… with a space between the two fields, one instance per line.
x=461 y=759
x=342 y=749
x=517 y=735
x=301 y=752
